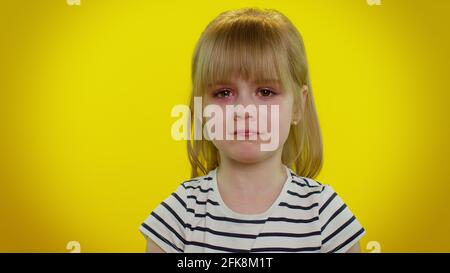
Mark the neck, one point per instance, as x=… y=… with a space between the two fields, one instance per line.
x=252 y=177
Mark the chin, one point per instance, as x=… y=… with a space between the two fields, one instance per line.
x=246 y=152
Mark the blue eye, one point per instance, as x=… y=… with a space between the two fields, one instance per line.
x=223 y=93
x=265 y=92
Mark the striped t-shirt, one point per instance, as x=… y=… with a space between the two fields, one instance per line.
x=306 y=217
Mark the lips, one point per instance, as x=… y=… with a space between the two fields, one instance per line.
x=246 y=132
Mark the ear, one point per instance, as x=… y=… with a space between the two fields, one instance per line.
x=298 y=111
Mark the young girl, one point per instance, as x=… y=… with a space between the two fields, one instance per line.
x=241 y=198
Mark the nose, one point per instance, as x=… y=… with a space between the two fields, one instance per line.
x=247 y=107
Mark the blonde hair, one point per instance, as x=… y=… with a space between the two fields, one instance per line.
x=259 y=45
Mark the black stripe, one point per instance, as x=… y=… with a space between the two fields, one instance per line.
x=202 y=202
x=320 y=184
x=261 y=221
x=179 y=199
x=295 y=177
x=336 y=213
x=213 y=216
x=298 y=183
x=283 y=219
x=223 y=234
x=295 y=235
x=283 y=204
x=197 y=187
x=181 y=238
x=306 y=181
x=359 y=232
x=161 y=237
x=216 y=247
x=204 y=229
x=304 y=195
x=283 y=249
x=303 y=185
x=173 y=213
x=200 y=244
x=327 y=202
x=228 y=219
x=324 y=241
x=181 y=202
x=191 y=180
x=194 y=242
x=228 y=234
x=253 y=236
x=185 y=242
x=197 y=179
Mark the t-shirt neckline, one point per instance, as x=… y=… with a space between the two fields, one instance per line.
x=231 y=213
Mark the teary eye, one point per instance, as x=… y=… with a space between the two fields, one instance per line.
x=223 y=93
x=266 y=92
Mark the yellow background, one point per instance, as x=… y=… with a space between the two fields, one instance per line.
x=86 y=93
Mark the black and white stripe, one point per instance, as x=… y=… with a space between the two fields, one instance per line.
x=307 y=217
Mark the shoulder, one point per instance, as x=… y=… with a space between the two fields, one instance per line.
x=305 y=181
x=179 y=201
x=305 y=186
x=193 y=190
x=339 y=228
x=197 y=185
x=316 y=191
x=310 y=184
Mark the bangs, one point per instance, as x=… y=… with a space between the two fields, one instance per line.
x=249 y=49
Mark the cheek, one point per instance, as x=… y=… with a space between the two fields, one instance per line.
x=285 y=118
x=285 y=123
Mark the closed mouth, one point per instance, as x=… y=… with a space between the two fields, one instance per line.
x=245 y=132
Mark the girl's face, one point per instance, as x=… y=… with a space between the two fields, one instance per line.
x=247 y=138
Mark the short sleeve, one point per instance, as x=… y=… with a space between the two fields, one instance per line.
x=340 y=229
x=166 y=223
